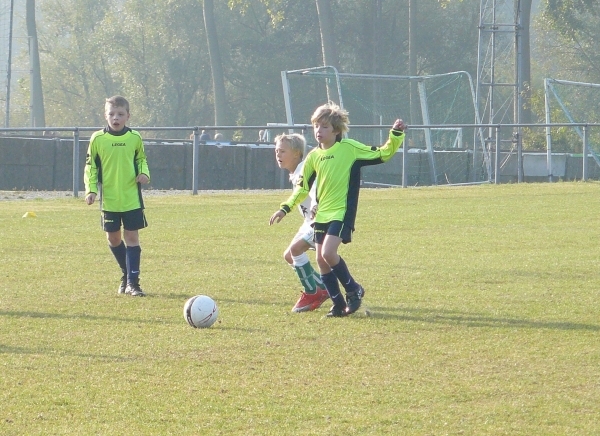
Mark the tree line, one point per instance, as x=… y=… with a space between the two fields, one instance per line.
x=201 y=62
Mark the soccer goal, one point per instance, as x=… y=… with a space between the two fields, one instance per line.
x=442 y=145
x=572 y=102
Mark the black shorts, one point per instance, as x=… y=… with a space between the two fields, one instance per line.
x=334 y=228
x=132 y=220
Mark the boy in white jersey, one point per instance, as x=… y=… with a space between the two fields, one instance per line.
x=334 y=166
x=116 y=164
x=289 y=152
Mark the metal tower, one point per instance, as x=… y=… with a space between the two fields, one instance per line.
x=499 y=70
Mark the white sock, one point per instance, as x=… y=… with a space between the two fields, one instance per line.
x=300 y=260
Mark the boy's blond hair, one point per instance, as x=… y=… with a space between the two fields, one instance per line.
x=118 y=101
x=295 y=140
x=332 y=113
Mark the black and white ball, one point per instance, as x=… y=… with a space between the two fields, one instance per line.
x=200 y=311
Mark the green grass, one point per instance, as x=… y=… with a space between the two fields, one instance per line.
x=484 y=306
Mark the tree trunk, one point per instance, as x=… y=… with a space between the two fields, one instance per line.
x=36 y=95
x=216 y=65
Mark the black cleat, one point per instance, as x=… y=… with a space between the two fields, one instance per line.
x=134 y=290
x=337 y=312
x=123 y=285
x=354 y=299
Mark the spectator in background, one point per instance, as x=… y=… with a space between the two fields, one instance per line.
x=218 y=137
x=205 y=136
x=262 y=136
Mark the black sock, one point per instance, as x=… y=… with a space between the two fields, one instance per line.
x=333 y=289
x=120 y=254
x=343 y=274
x=133 y=263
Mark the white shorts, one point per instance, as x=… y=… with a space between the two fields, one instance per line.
x=305 y=233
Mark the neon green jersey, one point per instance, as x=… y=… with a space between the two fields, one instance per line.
x=337 y=171
x=115 y=160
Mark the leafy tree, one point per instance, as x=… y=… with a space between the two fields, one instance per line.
x=145 y=50
x=157 y=53
x=569 y=40
x=75 y=68
x=162 y=66
x=270 y=38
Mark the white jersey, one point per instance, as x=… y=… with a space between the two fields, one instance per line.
x=310 y=201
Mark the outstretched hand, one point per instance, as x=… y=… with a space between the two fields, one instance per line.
x=399 y=125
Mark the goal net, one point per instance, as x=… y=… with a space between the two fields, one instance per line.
x=572 y=102
x=442 y=148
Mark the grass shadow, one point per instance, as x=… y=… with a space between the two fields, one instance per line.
x=83 y=316
x=450 y=317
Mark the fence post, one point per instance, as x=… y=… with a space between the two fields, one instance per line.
x=520 y=169
x=404 y=159
x=195 y=157
x=497 y=155
x=584 y=169
x=76 y=162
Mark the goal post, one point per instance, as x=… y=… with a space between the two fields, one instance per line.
x=375 y=101
x=572 y=102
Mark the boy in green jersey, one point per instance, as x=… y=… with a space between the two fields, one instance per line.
x=115 y=168
x=336 y=164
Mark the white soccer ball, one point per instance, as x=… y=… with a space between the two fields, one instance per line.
x=200 y=311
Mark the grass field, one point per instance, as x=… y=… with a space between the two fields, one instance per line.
x=484 y=306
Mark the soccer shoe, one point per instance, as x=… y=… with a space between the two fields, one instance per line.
x=123 y=285
x=323 y=296
x=308 y=302
x=337 y=312
x=134 y=290
x=354 y=299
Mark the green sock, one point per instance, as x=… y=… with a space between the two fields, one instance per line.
x=306 y=275
x=318 y=280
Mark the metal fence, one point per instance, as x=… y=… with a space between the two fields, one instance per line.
x=461 y=154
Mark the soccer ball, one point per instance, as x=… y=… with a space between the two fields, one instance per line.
x=200 y=311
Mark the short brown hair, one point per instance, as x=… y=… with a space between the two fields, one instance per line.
x=118 y=101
